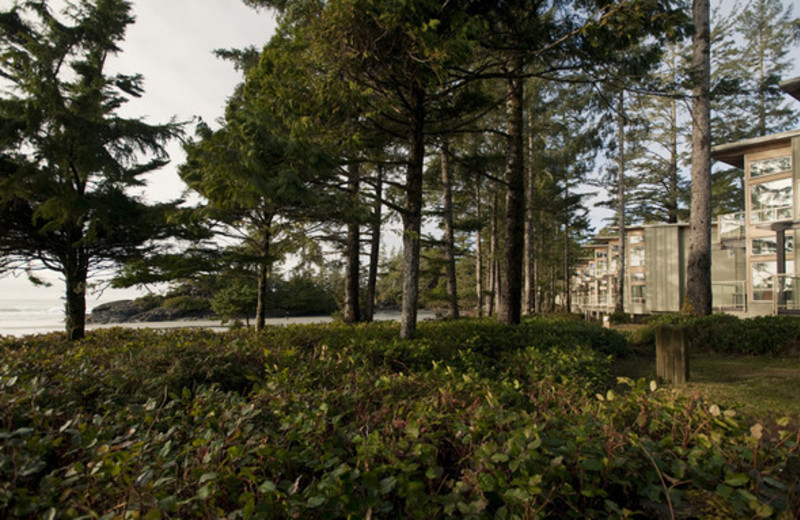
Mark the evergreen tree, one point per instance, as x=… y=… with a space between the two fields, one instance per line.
x=698 y=272
x=765 y=32
x=68 y=158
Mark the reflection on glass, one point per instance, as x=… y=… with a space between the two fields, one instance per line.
x=771 y=200
x=770 y=166
x=769 y=245
x=638 y=277
x=763 y=278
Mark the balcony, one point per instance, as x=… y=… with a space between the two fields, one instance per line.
x=729 y=296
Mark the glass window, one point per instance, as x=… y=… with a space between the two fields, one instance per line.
x=769 y=245
x=638 y=277
x=602 y=254
x=770 y=166
x=637 y=256
x=638 y=293
x=763 y=276
x=635 y=239
x=771 y=200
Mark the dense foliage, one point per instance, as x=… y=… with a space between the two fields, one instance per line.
x=471 y=419
x=68 y=159
x=773 y=335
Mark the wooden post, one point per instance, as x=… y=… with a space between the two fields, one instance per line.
x=672 y=356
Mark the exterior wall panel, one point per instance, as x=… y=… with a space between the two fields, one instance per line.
x=663 y=269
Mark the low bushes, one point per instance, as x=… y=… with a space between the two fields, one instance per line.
x=471 y=419
x=773 y=335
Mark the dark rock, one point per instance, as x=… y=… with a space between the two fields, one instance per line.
x=119 y=311
x=125 y=311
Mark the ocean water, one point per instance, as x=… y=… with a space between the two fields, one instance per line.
x=30 y=316
x=24 y=316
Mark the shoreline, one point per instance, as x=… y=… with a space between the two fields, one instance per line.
x=23 y=328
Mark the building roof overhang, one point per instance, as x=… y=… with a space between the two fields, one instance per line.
x=733 y=153
x=791 y=87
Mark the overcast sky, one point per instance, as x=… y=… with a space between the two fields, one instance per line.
x=171 y=45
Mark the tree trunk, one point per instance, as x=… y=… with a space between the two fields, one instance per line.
x=75 y=275
x=492 y=279
x=537 y=269
x=353 y=245
x=449 y=238
x=412 y=216
x=375 y=249
x=263 y=278
x=619 y=297
x=698 y=275
x=567 y=271
x=510 y=305
x=478 y=251
x=528 y=295
x=672 y=210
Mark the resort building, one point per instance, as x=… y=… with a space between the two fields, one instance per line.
x=753 y=264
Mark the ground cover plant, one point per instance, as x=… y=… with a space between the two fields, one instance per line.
x=471 y=419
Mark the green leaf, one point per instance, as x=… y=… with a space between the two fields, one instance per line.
x=737 y=479
x=208 y=476
x=267 y=486
x=203 y=493
x=316 y=501
x=387 y=484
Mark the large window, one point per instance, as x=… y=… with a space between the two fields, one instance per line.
x=770 y=201
x=770 y=166
x=637 y=256
x=763 y=278
x=638 y=293
x=769 y=245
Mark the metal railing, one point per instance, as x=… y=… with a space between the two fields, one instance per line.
x=729 y=295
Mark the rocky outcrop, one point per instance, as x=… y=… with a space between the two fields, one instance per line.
x=124 y=311
x=114 y=312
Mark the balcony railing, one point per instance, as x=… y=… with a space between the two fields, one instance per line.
x=784 y=293
x=732 y=226
x=771 y=214
x=729 y=295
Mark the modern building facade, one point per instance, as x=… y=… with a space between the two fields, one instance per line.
x=753 y=264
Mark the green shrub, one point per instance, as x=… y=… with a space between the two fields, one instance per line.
x=187 y=303
x=773 y=335
x=618 y=318
x=471 y=419
x=149 y=301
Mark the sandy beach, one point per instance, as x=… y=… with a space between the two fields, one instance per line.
x=27 y=327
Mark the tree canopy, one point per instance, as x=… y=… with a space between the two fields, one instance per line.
x=68 y=159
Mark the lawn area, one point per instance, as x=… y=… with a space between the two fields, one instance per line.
x=763 y=387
